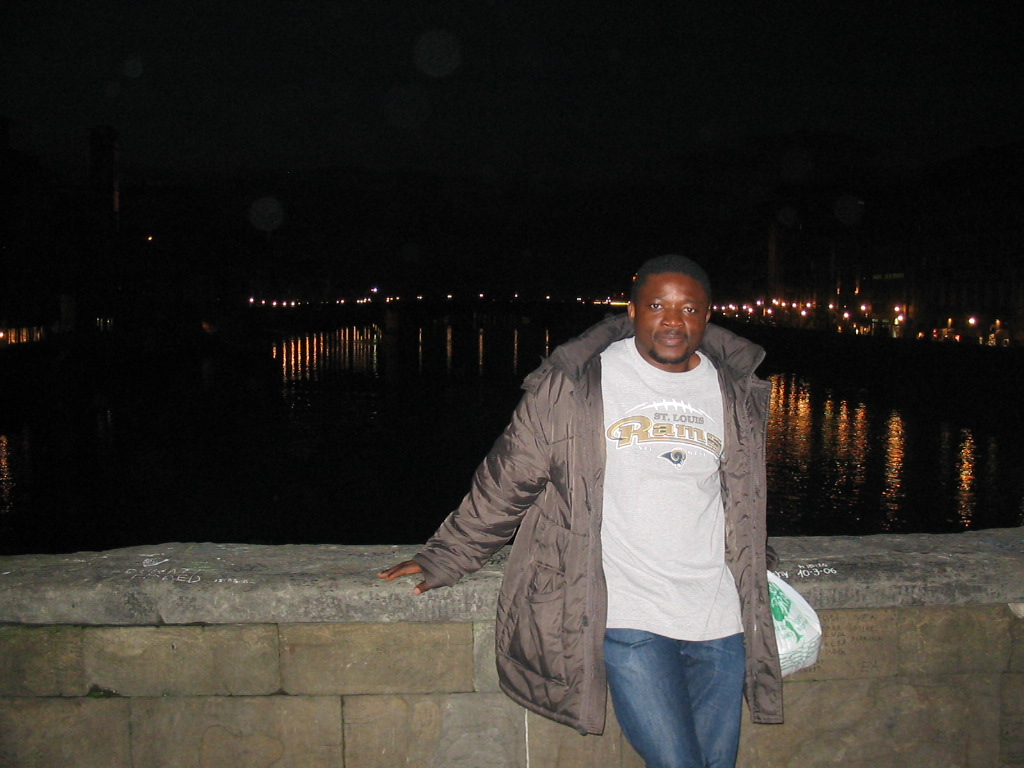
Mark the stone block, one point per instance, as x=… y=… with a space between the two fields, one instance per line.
x=559 y=746
x=237 y=732
x=41 y=661
x=350 y=659
x=855 y=644
x=183 y=661
x=474 y=730
x=948 y=722
x=1011 y=729
x=58 y=733
x=954 y=640
x=485 y=673
x=1017 y=638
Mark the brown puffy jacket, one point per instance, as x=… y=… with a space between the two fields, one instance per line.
x=543 y=482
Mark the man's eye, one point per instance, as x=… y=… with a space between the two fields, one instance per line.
x=655 y=306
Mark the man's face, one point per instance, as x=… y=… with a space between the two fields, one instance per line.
x=669 y=316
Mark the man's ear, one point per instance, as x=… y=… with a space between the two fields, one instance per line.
x=632 y=310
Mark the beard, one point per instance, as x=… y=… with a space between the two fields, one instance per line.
x=681 y=357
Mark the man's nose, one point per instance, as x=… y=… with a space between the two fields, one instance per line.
x=672 y=317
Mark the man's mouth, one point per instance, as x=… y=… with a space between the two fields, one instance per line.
x=671 y=338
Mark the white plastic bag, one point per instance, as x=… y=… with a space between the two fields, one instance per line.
x=797 y=628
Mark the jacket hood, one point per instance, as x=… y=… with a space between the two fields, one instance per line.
x=574 y=356
x=728 y=349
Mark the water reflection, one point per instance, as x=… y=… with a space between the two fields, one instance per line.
x=306 y=357
x=840 y=463
x=895 y=450
x=369 y=433
x=6 y=476
x=966 y=458
x=494 y=348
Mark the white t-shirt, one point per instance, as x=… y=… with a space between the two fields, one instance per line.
x=663 y=534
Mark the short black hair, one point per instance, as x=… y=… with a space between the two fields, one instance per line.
x=670 y=262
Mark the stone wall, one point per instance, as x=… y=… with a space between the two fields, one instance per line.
x=226 y=655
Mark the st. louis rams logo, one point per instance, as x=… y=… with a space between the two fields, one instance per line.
x=676 y=457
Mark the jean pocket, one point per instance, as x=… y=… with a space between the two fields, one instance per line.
x=631 y=638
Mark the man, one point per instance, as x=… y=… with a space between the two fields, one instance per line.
x=633 y=476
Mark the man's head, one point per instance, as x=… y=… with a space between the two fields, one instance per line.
x=670 y=262
x=670 y=306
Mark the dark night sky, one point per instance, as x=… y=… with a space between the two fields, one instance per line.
x=501 y=88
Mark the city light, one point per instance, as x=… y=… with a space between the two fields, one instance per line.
x=796 y=312
x=11 y=336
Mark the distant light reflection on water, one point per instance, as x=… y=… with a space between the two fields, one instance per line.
x=839 y=463
x=369 y=433
x=6 y=475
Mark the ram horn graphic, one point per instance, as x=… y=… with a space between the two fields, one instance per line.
x=676 y=457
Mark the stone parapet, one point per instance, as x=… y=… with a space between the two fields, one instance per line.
x=231 y=584
x=218 y=654
x=248 y=584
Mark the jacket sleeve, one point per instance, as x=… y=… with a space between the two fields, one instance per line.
x=504 y=487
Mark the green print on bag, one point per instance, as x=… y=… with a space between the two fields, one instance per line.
x=780 y=610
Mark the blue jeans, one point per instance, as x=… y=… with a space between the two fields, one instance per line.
x=679 y=702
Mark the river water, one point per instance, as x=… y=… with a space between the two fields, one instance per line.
x=367 y=431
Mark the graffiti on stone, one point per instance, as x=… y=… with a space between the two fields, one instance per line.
x=184 y=576
x=809 y=571
x=192 y=573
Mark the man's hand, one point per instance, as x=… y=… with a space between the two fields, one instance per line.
x=407 y=568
